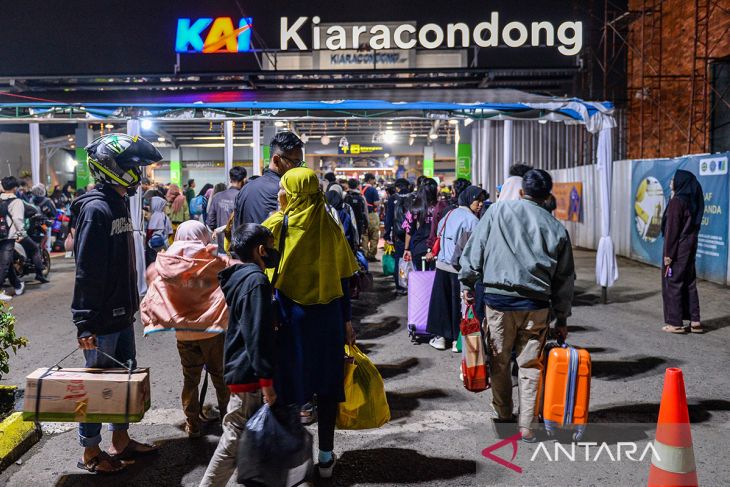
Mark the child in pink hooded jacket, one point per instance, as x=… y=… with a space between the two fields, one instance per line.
x=184 y=295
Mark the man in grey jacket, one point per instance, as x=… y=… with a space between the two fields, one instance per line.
x=524 y=257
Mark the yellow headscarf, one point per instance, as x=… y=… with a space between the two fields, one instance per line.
x=316 y=255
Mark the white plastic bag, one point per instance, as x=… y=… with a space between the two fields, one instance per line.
x=404 y=268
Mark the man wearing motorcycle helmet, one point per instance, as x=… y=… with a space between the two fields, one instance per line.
x=105 y=292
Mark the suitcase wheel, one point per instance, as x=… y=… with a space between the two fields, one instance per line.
x=578 y=433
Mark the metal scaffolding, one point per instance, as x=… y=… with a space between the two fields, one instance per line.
x=655 y=75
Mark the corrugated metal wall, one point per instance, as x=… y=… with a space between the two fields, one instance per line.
x=568 y=152
x=550 y=146
x=587 y=233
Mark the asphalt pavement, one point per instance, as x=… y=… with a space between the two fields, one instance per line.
x=438 y=429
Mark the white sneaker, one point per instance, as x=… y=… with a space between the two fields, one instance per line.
x=439 y=343
x=5 y=297
x=454 y=346
x=326 y=469
x=20 y=290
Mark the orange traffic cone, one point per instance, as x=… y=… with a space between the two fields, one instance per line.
x=673 y=462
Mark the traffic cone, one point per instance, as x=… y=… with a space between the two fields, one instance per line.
x=673 y=461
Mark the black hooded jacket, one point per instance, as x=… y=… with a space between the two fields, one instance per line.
x=105 y=291
x=249 y=353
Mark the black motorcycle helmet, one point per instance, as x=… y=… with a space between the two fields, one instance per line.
x=116 y=159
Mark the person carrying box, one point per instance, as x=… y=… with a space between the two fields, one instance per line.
x=105 y=297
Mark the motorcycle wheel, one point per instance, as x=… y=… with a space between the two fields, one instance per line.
x=19 y=267
x=46 y=259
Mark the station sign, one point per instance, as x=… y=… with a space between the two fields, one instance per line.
x=218 y=35
x=221 y=37
x=569 y=35
x=362 y=150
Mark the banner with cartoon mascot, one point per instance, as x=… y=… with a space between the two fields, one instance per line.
x=650 y=194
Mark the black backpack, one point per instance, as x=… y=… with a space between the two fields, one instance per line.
x=401 y=205
x=4 y=227
x=357 y=202
x=29 y=210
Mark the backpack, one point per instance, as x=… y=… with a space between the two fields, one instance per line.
x=29 y=210
x=401 y=205
x=357 y=203
x=4 y=227
x=197 y=205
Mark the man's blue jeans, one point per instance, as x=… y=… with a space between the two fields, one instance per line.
x=119 y=345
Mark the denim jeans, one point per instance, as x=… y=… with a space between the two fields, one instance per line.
x=119 y=345
x=6 y=263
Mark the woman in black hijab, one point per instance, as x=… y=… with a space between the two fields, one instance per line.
x=681 y=226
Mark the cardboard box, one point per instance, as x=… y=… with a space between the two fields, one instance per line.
x=87 y=395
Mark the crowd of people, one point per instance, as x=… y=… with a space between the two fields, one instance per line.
x=256 y=279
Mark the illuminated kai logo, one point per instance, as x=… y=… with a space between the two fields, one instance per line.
x=221 y=35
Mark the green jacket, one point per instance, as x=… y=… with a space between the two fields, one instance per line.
x=189 y=195
x=519 y=249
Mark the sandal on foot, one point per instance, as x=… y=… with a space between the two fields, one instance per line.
x=308 y=414
x=696 y=329
x=135 y=449
x=103 y=463
x=677 y=330
x=528 y=436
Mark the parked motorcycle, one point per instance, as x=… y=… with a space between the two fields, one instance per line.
x=37 y=232
x=24 y=265
x=59 y=230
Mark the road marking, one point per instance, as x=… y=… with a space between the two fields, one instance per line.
x=415 y=422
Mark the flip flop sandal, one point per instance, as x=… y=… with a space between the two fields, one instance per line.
x=308 y=414
x=677 y=330
x=132 y=451
x=696 y=329
x=93 y=464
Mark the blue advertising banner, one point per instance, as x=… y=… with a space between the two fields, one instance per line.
x=650 y=193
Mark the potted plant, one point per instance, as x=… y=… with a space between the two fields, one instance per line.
x=16 y=435
x=9 y=340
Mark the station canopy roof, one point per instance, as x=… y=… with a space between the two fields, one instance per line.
x=198 y=106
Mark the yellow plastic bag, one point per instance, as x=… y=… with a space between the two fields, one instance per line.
x=388 y=249
x=365 y=403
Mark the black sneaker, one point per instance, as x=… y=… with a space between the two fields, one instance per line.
x=42 y=279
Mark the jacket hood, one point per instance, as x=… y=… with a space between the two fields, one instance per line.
x=86 y=198
x=232 y=277
x=190 y=257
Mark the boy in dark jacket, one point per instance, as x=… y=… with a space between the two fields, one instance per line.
x=249 y=353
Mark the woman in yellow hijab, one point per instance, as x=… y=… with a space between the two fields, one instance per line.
x=312 y=287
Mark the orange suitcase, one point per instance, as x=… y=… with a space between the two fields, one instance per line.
x=567 y=390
